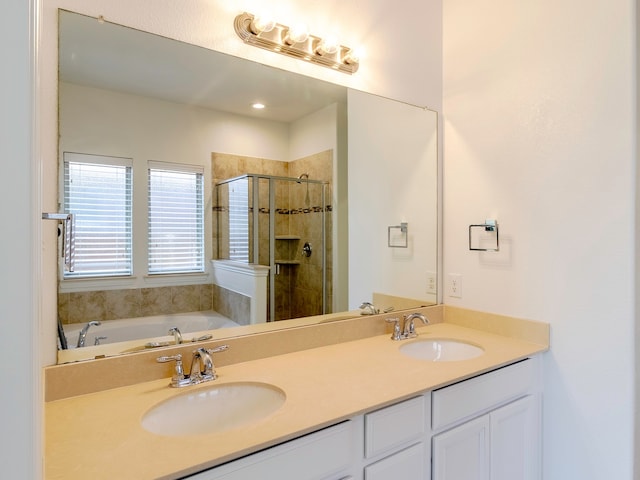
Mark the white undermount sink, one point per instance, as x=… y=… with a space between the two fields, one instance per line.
x=212 y=409
x=441 y=350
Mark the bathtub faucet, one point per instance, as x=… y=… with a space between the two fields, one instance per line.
x=368 y=308
x=176 y=334
x=82 y=336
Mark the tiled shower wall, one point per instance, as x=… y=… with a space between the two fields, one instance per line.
x=81 y=307
x=298 y=286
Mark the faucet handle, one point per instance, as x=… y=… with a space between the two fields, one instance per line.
x=212 y=371
x=219 y=348
x=178 y=379
x=396 y=335
x=170 y=358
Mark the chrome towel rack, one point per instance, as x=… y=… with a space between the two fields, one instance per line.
x=68 y=236
x=490 y=226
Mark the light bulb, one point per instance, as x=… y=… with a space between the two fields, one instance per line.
x=261 y=23
x=296 y=34
x=327 y=46
x=352 y=57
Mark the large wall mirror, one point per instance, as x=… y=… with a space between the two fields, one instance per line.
x=322 y=201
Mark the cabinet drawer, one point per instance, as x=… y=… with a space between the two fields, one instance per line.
x=315 y=456
x=408 y=464
x=476 y=395
x=394 y=425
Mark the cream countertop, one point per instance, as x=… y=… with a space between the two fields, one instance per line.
x=99 y=435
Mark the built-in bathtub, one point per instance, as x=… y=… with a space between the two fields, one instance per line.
x=126 y=329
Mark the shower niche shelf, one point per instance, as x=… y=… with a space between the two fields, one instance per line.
x=286 y=248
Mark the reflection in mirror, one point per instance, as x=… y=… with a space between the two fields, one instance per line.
x=147 y=101
x=283 y=223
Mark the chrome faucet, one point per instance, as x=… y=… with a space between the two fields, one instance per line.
x=82 y=336
x=175 y=331
x=409 y=329
x=368 y=308
x=202 y=368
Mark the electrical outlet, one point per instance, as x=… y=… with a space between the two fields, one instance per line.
x=454 y=285
x=432 y=283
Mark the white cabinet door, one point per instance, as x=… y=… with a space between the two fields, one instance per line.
x=462 y=453
x=515 y=440
x=501 y=445
x=408 y=464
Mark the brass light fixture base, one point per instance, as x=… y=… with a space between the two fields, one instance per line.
x=311 y=49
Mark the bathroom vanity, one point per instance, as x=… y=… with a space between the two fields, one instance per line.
x=486 y=427
x=358 y=409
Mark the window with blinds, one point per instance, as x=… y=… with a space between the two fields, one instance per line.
x=176 y=219
x=98 y=191
x=239 y=220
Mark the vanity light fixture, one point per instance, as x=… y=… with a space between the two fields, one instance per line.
x=295 y=42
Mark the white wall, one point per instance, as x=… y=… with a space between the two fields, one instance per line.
x=104 y=122
x=324 y=130
x=21 y=403
x=391 y=183
x=538 y=106
x=314 y=133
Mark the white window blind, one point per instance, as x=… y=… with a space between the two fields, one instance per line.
x=176 y=219
x=239 y=220
x=97 y=190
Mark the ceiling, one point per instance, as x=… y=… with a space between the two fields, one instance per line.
x=113 y=57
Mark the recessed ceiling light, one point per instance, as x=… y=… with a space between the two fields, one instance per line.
x=258 y=106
